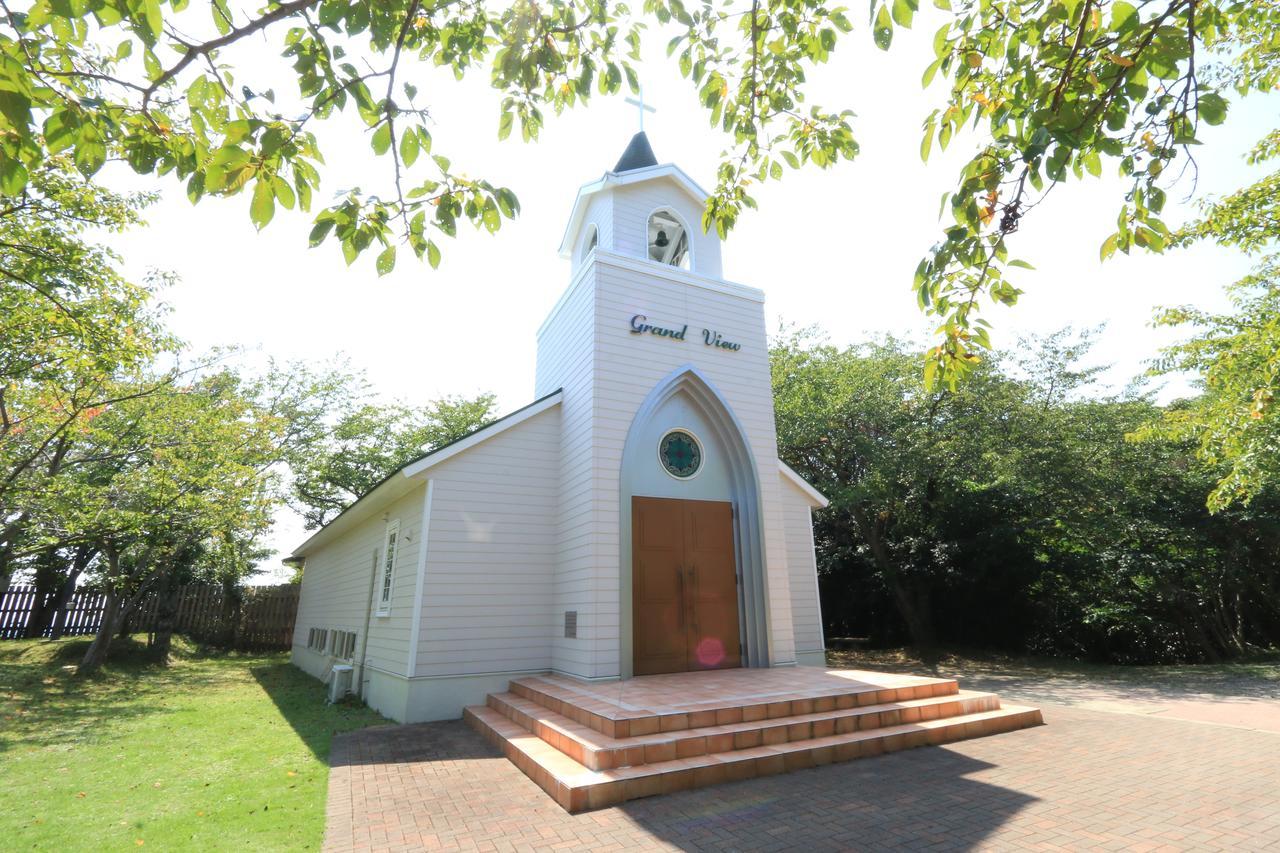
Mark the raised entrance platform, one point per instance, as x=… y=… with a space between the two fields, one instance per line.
x=595 y=745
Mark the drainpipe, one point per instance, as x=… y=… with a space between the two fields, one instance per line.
x=368 y=614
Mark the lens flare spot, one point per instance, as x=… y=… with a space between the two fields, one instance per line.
x=710 y=651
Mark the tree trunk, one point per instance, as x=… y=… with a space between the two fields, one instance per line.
x=914 y=607
x=97 y=654
x=229 y=618
x=48 y=582
x=84 y=555
x=166 y=618
x=913 y=604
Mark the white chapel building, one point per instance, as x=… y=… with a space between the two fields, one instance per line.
x=634 y=519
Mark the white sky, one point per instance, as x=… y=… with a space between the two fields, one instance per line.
x=835 y=248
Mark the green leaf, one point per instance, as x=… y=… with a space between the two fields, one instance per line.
x=17 y=109
x=1108 y=247
x=13 y=176
x=283 y=192
x=490 y=217
x=154 y=18
x=221 y=16
x=381 y=141
x=60 y=130
x=903 y=10
x=409 y=147
x=504 y=124
x=263 y=206
x=882 y=32
x=1122 y=15
x=433 y=255
x=319 y=231
x=1212 y=107
x=386 y=260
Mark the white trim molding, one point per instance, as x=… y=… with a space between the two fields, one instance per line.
x=423 y=538
x=496 y=428
x=387 y=568
x=818 y=498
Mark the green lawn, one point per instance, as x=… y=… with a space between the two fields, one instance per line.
x=215 y=752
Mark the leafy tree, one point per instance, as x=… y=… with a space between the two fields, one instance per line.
x=191 y=495
x=1056 y=90
x=1063 y=90
x=368 y=442
x=1018 y=495
x=891 y=457
x=1236 y=422
x=150 y=83
x=73 y=331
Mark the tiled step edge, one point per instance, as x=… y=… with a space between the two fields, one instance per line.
x=642 y=723
x=597 y=751
x=576 y=788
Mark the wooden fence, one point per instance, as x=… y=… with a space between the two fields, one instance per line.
x=258 y=617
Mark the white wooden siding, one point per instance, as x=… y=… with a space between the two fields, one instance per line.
x=566 y=360
x=628 y=366
x=335 y=586
x=806 y=611
x=488 y=587
x=599 y=215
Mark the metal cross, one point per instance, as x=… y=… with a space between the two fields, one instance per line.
x=643 y=107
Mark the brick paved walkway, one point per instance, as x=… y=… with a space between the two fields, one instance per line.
x=1088 y=779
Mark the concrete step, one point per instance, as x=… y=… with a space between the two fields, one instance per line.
x=638 y=715
x=578 y=788
x=597 y=751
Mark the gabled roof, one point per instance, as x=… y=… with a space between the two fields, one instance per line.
x=617 y=179
x=401 y=481
x=816 y=497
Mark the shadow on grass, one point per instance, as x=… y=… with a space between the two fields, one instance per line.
x=44 y=703
x=301 y=701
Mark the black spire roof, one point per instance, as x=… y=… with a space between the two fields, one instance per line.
x=639 y=155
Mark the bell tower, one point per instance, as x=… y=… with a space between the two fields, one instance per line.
x=642 y=209
x=648 y=340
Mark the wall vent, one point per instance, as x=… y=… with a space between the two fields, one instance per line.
x=571 y=624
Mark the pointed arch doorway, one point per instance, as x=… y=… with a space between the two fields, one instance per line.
x=692 y=588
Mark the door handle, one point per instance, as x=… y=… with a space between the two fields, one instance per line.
x=680 y=595
x=693 y=578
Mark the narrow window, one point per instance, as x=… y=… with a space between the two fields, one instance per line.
x=668 y=240
x=389 y=548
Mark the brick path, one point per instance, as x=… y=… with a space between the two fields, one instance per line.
x=1088 y=779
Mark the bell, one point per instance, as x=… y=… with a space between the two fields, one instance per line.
x=661 y=241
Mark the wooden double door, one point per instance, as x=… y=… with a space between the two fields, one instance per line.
x=684 y=586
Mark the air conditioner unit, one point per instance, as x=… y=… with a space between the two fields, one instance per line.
x=340 y=681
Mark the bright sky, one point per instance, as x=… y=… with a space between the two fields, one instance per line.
x=835 y=248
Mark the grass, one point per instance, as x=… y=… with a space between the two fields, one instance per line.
x=217 y=751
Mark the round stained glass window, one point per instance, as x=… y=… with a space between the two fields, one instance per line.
x=680 y=453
